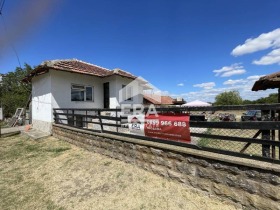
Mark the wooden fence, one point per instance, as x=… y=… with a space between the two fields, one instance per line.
x=259 y=140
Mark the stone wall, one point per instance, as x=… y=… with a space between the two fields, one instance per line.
x=248 y=183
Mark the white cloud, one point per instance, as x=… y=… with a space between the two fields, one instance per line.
x=243 y=86
x=254 y=77
x=234 y=82
x=270 y=40
x=210 y=94
x=262 y=42
x=271 y=58
x=207 y=85
x=180 y=84
x=227 y=71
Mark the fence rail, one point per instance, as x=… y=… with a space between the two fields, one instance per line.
x=257 y=140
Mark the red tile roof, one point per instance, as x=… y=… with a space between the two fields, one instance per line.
x=122 y=73
x=77 y=66
x=164 y=100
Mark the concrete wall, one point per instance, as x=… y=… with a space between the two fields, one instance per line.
x=41 y=102
x=246 y=183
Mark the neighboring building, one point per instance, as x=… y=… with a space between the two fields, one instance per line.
x=75 y=84
x=160 y=101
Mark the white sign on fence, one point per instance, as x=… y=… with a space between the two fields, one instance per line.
x=1 y=114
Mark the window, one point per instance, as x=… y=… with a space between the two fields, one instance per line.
x=81 y=93
x=127 y=93
x=89 y=94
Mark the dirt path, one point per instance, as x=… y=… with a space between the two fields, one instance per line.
x=52 y=174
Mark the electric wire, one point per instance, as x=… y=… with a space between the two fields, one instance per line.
x=6 y=31
x=1 y=6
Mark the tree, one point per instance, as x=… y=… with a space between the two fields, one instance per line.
x=228 y=98
x=13 y=92
x=270 y=99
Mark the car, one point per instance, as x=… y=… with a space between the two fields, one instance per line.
x=252 y=115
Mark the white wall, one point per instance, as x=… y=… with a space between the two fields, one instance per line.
x=116 y=83
x=61 y=90
x=41 y=97
x=137 y=99
x=41 y=102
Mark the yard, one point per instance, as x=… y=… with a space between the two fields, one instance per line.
x=52 y=174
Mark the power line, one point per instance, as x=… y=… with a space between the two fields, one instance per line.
x=6 y=31
x=1 y=6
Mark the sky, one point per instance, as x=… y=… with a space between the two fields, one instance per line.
x=193 y=49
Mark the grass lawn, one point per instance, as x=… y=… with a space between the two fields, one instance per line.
x=52 y=174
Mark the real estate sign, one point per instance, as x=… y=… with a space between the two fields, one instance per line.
x=1 y=114
x=170 y=127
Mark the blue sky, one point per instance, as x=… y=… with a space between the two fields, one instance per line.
x=195 y=49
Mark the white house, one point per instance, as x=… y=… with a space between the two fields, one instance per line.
x=75 y=84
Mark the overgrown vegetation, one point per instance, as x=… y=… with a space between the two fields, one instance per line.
x=228 y=98
x=13 y=92
x=270 y=99
x=234 y=98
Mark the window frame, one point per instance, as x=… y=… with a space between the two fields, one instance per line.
x=83 y=88
x=127 y=92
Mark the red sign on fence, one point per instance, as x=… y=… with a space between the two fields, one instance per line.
x=171 y=127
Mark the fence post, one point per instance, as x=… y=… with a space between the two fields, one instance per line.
x=86 y=120
x=100 y=120
x=54 y=115
x=117 y=120
x=74 y=118
x=266 y=134
x=273 y=134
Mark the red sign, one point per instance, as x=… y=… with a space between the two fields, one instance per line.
x=171 y=127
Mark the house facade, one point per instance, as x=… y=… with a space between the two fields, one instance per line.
x=77 y=84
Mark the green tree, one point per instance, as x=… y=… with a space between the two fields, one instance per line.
x=13 y=92
x=246 y=101
x=270 y=99
x=228 y=98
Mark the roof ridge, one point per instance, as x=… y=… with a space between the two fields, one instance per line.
x=91 y=64
x=116 y=70
x=52 y=62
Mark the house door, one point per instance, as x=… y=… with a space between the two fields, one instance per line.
x=106 y=95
